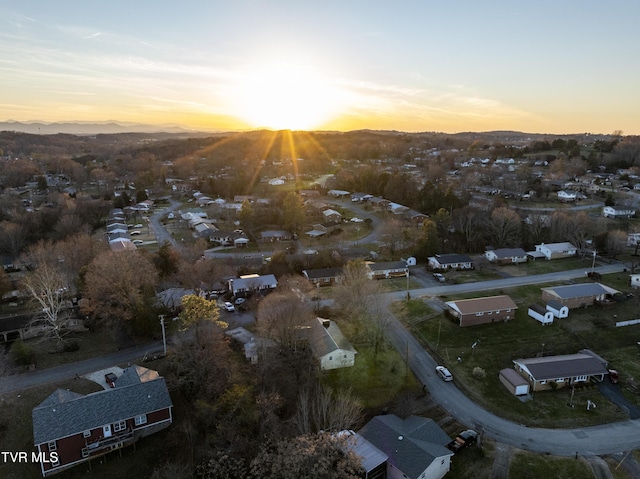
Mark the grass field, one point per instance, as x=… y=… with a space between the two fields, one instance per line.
x=525 y=465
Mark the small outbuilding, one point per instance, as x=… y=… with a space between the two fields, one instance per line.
x=516 y=384
x=558 y=309
x=540 y=313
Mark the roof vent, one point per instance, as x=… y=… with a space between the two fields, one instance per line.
x=400 y=438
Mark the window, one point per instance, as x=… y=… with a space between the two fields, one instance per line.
x=119 y=426
x=86 y=433
x=85 y=453
x=55 y=463
x=479 y=314
x=140 y=420
x=52 y=445
x=581 y=378
x=330 y=358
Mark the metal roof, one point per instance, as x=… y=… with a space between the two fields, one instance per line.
x=482 y=305
x=581 y=290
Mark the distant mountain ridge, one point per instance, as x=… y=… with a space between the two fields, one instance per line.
x=89 y=128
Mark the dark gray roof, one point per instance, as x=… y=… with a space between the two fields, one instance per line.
x=578 y=290
x=538 y=309
x=66 y=413
x=322 y=273
x=566 y=366
x=557 y=305
x=387 y=265
x=411 y=444
x=453 y=258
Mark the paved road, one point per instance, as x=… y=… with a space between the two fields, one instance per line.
x=587 y=441
x=9 y=384
x=162 y=235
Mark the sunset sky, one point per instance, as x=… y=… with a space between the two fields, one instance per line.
x=450 y=66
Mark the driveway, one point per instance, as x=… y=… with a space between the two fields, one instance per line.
x=613 y=393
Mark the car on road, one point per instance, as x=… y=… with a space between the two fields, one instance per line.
x=228 y=306
x=463 y=440
x=439 y=277
x=139 y=225
x=357 y=220
x=444 y=373
x=239 y=301
x=137 y=241
x=110 y=379
x=136 y=232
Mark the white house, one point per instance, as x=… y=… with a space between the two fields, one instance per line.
x=252 y=282
x=330 y=346
x=276 y=181
x=633 y=238
x=613 y=212
x=565 y=195
x=506 y=255
x=450 y=261
x=332 y=215
x=540 y=314
x=556 y=250
x=635 y=280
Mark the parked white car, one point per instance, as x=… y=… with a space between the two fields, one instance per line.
x=444 y=373
x=229 y=307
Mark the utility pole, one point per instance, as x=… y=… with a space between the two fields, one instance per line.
x=164 y=337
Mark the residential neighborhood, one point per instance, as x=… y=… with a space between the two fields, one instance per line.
x=295 y=299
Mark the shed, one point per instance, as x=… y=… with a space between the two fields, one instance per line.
x=540 y=313
x=558 y=309
x=516 y=384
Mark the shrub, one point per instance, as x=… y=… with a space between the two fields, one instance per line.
x=479 y=373
x=22 y=354
x=71 y=345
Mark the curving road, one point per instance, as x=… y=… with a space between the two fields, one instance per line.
x=593 y=440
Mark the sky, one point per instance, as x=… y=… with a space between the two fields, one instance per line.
x=449 y=66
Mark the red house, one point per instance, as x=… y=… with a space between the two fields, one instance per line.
x=71 y=428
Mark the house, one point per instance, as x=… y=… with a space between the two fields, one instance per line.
x=470 y=312
x=541 y=314
x=565 y=195
x=565 y=370
x=330 y=346
x=633 y=239
x=516 y=384
x=252 y=283
x=613 y=212
x=415 y=447
x=331 y=216
x=122 y=244
x=577 y=295
x=397 y=209
x=386 y=270
x=556 y=250
x=557 y=309
x=323 y=276
x=317 y=231
x=360 y=197
x=338 y=193
x=80 y=427
x=379 y=203
x=450 y=261
x=506 y=255
x=229 y=238
x=276 y=181
x=271 y=236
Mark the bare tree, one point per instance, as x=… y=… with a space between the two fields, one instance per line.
x=46 y=287
x=616 y=242
x=327 y=410
x=118 y=284
x=362 y=303
x=283 y=317
x=504 y=227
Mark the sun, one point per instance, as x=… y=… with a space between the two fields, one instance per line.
x=286 y=96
